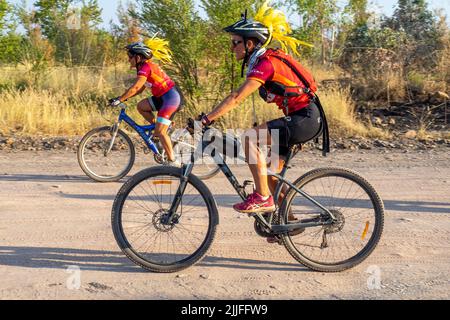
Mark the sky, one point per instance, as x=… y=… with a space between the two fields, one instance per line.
x=382 y=6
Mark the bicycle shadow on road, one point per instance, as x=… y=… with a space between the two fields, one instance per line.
x=228 y=200
x=250 y=264
x=43 y=178
x=114 y=261
x=62 y=258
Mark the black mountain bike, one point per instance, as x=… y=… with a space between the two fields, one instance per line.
x=164 y=218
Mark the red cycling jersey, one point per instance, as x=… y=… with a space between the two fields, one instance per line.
x=157 y=80
x=268 y=68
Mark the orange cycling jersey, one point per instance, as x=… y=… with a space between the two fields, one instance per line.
x=270 y=70
x=157 y=80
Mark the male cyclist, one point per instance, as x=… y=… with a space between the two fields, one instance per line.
x=165 y=99
x=274 y=73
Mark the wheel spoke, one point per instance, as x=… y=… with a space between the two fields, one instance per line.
x=112 y=166
x=146 y=231
x=352 y=205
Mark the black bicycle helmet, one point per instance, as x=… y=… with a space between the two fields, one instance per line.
x=139 y=48
x=249 y=29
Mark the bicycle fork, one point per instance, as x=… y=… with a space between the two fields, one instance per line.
x=186 y=170
x=114 y=130
x=171 y=216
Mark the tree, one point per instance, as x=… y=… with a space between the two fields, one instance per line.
x=319 y=22
x=4 y=8
x=178 y=22
x=10 y=41
x=128 y=30
x=32 y=49
x=222 y=62
x=123 y=33
x=414 y=18
x=420 y=25
x=358 y=12
x=51 y=15
x=72 y=27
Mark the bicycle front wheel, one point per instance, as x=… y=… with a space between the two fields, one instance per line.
x=184 y=145
x=355 y=233
x=141 y=231
x=105 y=158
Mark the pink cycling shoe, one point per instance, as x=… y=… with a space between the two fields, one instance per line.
x=255 y=203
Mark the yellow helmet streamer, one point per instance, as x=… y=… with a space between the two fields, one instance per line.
x=279 y=29
x=160 y=49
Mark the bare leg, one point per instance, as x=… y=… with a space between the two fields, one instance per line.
x=161 y=133
x=146 y=111
x=276 y=168
x=256 y=161
x=273 y=182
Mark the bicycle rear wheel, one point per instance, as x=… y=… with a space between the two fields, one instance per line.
x=138 y=220
x=102 y=161
x=349 y=240
x=183 y=146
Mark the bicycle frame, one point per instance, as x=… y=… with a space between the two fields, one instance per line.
x=141 y=130
x=275 y=228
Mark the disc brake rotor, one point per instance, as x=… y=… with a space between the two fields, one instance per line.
x=338 y=225
x=157 y=221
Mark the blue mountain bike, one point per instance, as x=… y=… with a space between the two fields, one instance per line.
x=107 y=154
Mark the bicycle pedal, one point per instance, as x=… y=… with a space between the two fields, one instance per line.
x=274 y=240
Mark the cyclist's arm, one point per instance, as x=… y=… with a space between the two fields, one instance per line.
x=135 y=89
x=234 y=99
x=141 y=90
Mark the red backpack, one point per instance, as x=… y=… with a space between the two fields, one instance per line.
x=310 y=88
x=301 y=72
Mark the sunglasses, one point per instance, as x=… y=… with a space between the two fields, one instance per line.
x=235 y=42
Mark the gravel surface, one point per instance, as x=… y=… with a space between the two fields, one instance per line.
x=54 y=221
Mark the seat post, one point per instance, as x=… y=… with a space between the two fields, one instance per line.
x=291 y=154
x=293 y=150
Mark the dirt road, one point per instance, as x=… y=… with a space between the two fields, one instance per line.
x=54 y=222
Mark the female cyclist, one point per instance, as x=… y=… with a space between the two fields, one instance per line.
x=281 y=80
x=165 y=99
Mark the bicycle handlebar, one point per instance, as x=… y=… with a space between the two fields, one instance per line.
x=191 y=126
x=121 y=105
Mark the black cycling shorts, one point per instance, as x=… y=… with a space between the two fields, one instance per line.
x=304 y=125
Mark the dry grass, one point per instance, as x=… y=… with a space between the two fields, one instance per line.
x=339 y=109
x=41 y=112
x=424 y=134
x=64 y=101
x=395 y=86
x=321 y=72
x=242 y=116
x=76 y=81
x=58 y=100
